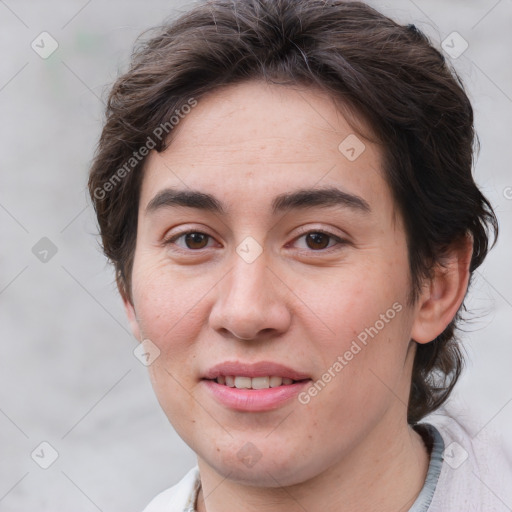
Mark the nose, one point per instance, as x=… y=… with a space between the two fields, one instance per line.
x=251 y=301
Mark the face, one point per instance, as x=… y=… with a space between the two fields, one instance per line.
x=291 y=280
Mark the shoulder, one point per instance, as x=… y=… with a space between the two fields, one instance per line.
x=476 y=473
x=180 y=497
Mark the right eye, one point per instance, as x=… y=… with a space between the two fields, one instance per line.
x=193 y=240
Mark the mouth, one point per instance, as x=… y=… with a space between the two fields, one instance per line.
x=254 y=387
x=244 y=382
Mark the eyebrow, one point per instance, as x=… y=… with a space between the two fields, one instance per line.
x=298 y=199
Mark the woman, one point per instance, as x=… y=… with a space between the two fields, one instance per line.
x=285 y=190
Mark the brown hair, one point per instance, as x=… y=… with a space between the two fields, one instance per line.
x=389 y=74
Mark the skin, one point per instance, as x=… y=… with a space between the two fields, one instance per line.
x=299 y=304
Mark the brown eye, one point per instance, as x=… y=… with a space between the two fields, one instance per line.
x=317 y=240
x=196 y=240
x=189 y=240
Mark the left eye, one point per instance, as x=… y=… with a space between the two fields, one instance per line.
x=319 y=240
x=315 y=240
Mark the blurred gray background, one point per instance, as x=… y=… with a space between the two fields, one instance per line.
x=67 y=370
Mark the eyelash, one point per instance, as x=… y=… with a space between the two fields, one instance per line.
x=340 y=241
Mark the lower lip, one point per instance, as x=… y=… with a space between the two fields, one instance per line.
x=254 y=400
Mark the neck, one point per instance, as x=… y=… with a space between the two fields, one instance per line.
x=384 y=476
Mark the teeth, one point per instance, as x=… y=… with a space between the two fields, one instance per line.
x=260 y=382
x=253 y=383
x=243 y=382
x=275 y=381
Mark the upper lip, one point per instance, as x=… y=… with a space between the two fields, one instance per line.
x=259 y=369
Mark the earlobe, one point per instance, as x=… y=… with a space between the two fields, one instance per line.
x=132 y=317
x=128 y=305
x=443 y=294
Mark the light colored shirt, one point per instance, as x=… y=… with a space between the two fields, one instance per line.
x=466 y=474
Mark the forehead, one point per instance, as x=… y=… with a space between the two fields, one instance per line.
x=251 y=142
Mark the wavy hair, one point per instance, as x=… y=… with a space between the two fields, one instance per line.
x=389 y=74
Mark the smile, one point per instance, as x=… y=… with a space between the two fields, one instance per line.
x=240 y=382
x=253 y=387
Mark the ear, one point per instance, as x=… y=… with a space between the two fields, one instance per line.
x=443 y=294
x=129 y=308
x=132 y=317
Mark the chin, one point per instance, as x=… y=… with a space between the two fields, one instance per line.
x=266 y=466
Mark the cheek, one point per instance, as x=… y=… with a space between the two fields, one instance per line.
x=355 y=305
x=170 y=313
x=166 y=306
x=366 y=344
